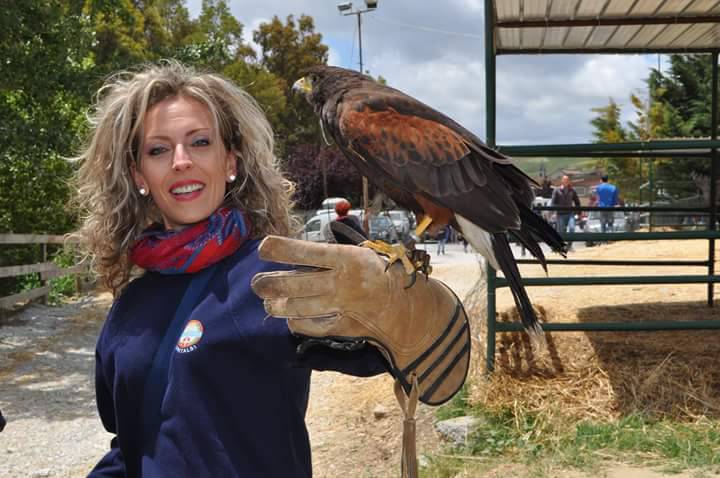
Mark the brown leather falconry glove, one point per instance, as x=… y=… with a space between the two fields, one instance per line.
x=349 y=296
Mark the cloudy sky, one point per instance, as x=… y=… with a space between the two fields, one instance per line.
x=434 y=51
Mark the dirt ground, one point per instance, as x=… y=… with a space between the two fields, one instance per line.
x=46 y=370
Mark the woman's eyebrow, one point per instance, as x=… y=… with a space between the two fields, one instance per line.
x=196 y=130
x=163 y=136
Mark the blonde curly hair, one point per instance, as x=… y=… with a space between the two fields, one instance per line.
x=112 y=210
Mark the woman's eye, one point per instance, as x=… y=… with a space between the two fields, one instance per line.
x=155 y=150
x=201 y=142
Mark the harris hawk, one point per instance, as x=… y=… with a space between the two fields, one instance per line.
x=429 y=164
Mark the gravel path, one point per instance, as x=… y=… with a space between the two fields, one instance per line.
x=47 y=357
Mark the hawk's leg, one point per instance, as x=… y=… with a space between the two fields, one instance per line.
x=394 y=252
x=413 y=259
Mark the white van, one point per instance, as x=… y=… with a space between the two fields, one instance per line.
x=315 y=226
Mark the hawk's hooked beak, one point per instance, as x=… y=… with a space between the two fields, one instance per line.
x=303 y=85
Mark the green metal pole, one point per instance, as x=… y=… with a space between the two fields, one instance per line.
x=604 y=148
x=491 y=142
x=490 y=340
x=651 y=190
x=645 y=326
x=713 y=173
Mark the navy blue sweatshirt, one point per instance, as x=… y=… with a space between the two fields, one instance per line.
x=237 y=392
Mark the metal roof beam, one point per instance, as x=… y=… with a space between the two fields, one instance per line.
x=592 y=51
x=598 y=22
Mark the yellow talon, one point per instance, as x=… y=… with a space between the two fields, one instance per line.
x=394 y=252
x=420 y=229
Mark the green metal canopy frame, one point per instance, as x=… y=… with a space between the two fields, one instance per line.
x=608 y=26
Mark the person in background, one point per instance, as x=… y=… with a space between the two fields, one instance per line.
x=464 y=241
x=547 y=190
x=442 y=237
x=565 y=196
x=342 y=209
x=607 y=196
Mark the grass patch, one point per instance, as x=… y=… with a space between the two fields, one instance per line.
x=546 y=442
x=458 y=406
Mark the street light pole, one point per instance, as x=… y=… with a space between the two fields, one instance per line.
x=360 y=40
x=345 y=10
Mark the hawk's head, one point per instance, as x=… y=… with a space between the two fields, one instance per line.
x=322 y=82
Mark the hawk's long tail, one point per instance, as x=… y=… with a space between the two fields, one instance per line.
x=496 y=249
x=506 y=261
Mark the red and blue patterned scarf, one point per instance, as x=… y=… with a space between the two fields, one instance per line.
x=193 y=248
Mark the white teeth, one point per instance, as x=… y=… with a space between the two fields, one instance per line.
x=186 y=189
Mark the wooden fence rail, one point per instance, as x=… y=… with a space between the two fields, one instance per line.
x=47 y=270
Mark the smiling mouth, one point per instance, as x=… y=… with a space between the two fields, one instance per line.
x=187 y=189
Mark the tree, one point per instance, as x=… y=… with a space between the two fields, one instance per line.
x=44 y=84
x=685 y=92
x=119 y=28
x=286 y=50
x=608 y=128
x=321 y=172
x=264 y=86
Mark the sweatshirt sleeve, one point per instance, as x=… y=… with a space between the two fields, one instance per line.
x=364 y=362
x=112 y=464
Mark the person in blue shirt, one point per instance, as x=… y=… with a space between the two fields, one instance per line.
x=607 y=196
x=178 y=180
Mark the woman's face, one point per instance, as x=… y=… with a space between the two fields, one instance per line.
x=183 y=162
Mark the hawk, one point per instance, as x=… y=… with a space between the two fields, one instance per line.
x=431 y=165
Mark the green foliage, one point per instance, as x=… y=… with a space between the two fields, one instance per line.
x=685 y=92
x=321 y=172
x=264 y=86
x=286 y=50
x=608 y=128
x=556 y=442
x=456 y=407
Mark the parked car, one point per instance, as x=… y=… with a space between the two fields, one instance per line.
x=401 y=222
x=315 y=226
x=620 y=223
x=381 y=228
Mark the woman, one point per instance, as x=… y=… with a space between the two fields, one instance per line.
x=193 y=155
x=178 y=177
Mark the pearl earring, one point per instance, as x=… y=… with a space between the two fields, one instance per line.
x=143 y=192
x=231 y=178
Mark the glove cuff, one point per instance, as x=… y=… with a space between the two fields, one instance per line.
x=442 y=367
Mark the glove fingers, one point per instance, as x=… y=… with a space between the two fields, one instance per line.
x=290 y=308
x=294 y=251
x=276 y=285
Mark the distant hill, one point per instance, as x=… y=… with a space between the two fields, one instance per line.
x=531 y=166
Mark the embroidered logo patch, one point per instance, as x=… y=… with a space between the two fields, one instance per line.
x=190 y=337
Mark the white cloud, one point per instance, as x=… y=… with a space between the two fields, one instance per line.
x=472 y=5
x=610 y=75
x=446 y=84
